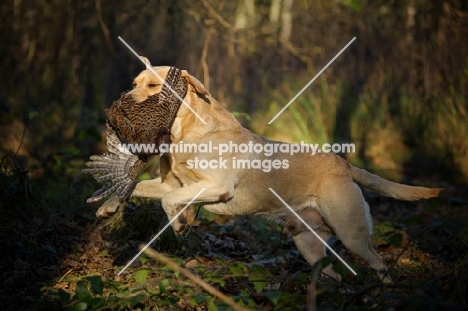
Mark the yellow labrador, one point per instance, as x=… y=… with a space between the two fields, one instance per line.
x=322 y=188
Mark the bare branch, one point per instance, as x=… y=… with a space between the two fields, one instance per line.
x=207 y=287
x=105 y=29
x=206 y=70
x=216 y=15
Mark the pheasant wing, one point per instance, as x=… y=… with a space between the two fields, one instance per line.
x=117 y=169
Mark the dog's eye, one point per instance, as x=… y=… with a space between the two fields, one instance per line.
x=134 y=85
x=151 y=85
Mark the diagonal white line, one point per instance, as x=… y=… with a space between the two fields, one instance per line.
x=162 y=80
x=160 y=232
x=312 y=230
x=313 y=79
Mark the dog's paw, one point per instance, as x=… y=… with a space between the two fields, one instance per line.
x=180 y=230
x=109 y=207
x=179 y=225
x=384 y=276
x=330 y=273
x=387 y=280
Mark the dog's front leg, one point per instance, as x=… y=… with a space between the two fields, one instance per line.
x=208 y=192
x=155 y=188
x=152 y=189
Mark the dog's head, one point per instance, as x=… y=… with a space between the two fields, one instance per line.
x=150 y=82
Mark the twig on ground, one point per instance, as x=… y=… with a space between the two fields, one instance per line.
x=207 y=287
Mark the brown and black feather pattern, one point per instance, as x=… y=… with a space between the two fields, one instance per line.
x=146 y=122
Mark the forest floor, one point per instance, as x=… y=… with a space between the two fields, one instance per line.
x=58 y=255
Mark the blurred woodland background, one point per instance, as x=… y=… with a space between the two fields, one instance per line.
x=399 y=92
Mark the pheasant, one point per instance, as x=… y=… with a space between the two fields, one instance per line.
x=129 y=122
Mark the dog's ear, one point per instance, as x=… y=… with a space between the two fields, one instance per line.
x=146 y=61
x=196 y=85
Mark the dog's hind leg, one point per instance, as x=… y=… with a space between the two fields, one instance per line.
x=347 y=213
x=313 y=250
x=310 y=247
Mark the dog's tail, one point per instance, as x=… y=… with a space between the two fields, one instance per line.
x=391 y=189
